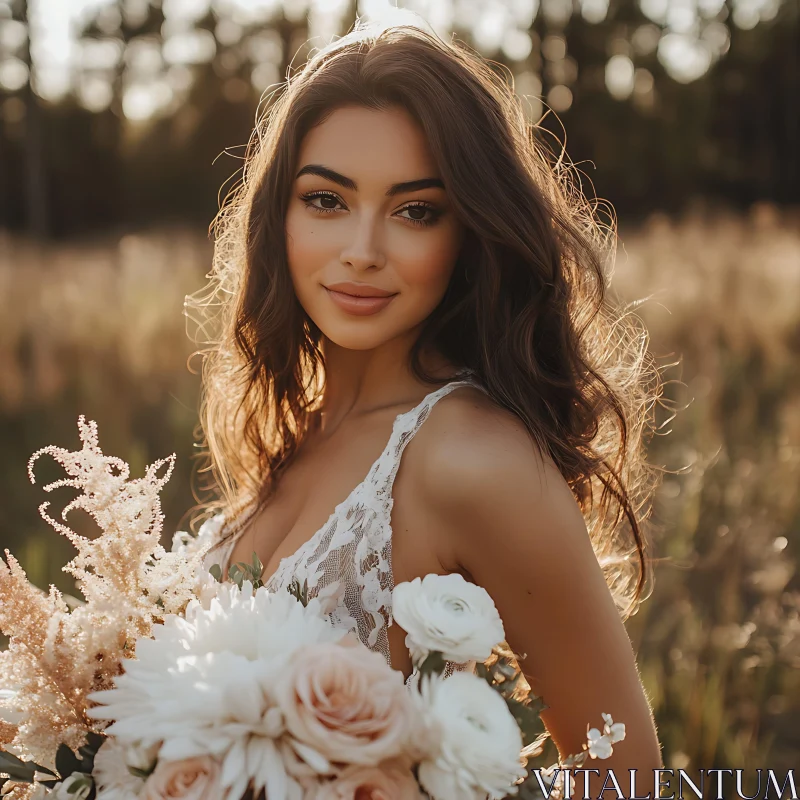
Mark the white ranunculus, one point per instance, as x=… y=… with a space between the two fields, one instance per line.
x=111 y=774
x=448 y=614
x=202 y=685
x=479 y=741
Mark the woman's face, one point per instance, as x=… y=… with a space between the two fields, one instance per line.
x=369 y=214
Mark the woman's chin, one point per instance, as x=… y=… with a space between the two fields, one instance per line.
x=367 y=338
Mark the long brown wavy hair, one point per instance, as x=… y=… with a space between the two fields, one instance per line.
x=527 y=309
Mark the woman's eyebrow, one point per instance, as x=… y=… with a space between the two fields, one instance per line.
x=349 y=183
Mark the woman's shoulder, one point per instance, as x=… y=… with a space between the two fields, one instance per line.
x=469 y=437
x=477 y=471
x=475 y=460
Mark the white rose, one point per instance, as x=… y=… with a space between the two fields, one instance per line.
x=479 y=741
x=448 y=614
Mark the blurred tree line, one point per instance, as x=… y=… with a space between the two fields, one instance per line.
x=658 y=101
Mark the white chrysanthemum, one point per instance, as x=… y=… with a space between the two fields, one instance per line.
x=111 y=775
x=479 y=741
x=448 y=614
x=202 y=684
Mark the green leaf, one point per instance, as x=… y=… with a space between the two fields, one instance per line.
x=433 y=664
x=16 y=768
x=140 y=773
x=19 y=774
x=9 y=759
x=66 y=761
x=246 y=570
x=94 y=741
x=235 y=575
x=89 y=750
x=216 y=572
x=527 y=718
x=81 y=782
x=298 y=592
x=40 y=768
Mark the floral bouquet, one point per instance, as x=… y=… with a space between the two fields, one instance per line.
x=171 y=683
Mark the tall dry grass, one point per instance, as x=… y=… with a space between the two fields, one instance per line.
x=97 y=328
x=719 y=640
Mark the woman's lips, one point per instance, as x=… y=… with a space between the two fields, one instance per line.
x=359 y=306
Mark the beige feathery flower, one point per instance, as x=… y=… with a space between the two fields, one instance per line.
x=59 y=654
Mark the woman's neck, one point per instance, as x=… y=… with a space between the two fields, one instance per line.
x=360 y=381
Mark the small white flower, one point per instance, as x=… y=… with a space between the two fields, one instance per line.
x=477 y=740
x=448 y=614
x=77 y=786
x=111 y=774
x=599 y=744
x=142 y=758
x=615 y=731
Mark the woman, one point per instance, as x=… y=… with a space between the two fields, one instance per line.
x=400 y=252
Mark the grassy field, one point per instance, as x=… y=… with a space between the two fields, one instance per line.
x=97 y=329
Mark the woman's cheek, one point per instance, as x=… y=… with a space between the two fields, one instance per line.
x=305 y=248
x=428 y=269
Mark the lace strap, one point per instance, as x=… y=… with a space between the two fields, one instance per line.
x=405 y=426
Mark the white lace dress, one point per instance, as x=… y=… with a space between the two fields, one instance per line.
x=350 y=556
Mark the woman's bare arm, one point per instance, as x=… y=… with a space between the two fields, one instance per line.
x=508 y=519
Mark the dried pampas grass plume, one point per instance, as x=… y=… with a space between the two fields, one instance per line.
x=57 y=656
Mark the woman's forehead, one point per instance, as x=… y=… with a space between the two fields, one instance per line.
x=369 y=146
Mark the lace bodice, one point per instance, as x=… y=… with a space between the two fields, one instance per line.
x=349 y=559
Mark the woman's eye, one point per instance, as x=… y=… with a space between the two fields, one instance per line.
x=323 y=197
x=420 y=214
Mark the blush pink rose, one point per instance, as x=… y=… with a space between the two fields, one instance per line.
x=347 y=703
x=384 y=782
x=188 y=779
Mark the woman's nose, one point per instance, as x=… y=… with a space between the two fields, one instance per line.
x=364 y=250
